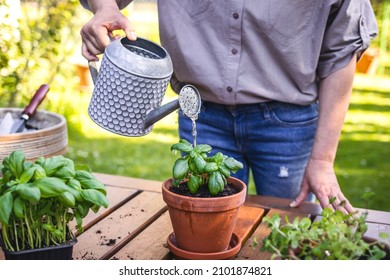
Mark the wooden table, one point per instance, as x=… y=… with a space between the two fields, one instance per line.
x=136 y=224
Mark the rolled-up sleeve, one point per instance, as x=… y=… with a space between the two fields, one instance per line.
x=351 y=27
x=121 y=3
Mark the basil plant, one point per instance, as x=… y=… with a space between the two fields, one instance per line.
x=198 y=168
x=38 y=200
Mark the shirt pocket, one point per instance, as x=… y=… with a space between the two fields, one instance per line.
x=194 y=11
x=285 y=22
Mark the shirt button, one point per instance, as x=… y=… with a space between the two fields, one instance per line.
x=236 y=16
x=229 y=89
x=234 y=51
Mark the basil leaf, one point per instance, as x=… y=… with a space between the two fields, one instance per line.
x=16 y=162
x=93 y=184
x=203 y=148
x=18 y=208
x=95 y=197
x=51 y=187
x=66 y=171
x=200 y=163
x=27 y=175
x=51 y=165
x=29 y=192
x=182 y=147
x=233 y=164
x=6 y=204
x=83 y=174
x=67 y=199
x=180 y=168
x=193 y=183
x=216 y=183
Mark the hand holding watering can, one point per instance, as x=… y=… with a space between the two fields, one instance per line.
x=130 y=86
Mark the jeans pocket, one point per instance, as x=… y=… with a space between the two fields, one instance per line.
x=293 y=115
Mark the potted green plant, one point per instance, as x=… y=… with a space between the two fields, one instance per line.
x=37 y=202
x=203 y=200
x=336 y=236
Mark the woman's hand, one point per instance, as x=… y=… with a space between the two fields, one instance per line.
x=98 y=32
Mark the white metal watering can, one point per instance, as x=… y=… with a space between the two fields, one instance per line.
x=130 y=86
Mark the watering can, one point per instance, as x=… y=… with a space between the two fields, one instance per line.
x=130 y=85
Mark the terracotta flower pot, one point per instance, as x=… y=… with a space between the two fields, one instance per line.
x=204 y=225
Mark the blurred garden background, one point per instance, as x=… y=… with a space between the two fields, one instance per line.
x=40 y=44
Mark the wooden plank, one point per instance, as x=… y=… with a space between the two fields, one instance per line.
x=374 y=230
x=376 y=216
x=268 y=202
x=128 y=182
x=248 y=219
x=249 y=251
x=151 y=244
x=102 y=237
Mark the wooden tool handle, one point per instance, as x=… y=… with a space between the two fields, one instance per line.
x=36 y=100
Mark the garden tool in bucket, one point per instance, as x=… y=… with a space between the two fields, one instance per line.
x=130 y=86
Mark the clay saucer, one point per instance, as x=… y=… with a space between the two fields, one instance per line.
x=233 y=249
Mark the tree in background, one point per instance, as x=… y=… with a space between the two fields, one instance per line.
x=36 y=39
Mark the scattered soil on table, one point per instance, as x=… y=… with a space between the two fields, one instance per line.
x=203 y=191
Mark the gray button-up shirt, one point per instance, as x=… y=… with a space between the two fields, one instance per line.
x=238 y=52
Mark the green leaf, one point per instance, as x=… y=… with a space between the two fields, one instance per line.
x=224 y=171
x=305 y=223
x=93 y=184
x=193 y=183
x=39 y=172
x=29 y=192
x=218 y=158
x=182 y=147
x=200 y=163
x=176 y=182
x=51 y=165
x=83 y=174
x=66 y=171
x=16 y=163
x=27 y=175
x=18 y=208
x=48 y=227
x=51 y=187
x=95 y=197
x=332 y=199
x=215 y=183
x=233 y=164
x=6 y=205
x=67 y=199
x=180 y=168
x=203 y=148
x=210 y=167
x=75 y=188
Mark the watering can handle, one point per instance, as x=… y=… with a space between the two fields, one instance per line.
x=93 y=70
x=160 y=112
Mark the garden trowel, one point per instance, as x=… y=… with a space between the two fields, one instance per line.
x=29 y=110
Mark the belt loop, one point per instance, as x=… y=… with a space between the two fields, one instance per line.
x=265 y=109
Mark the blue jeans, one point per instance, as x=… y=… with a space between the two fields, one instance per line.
x=273 y=140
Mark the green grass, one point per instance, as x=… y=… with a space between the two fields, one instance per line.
x=363 y=158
